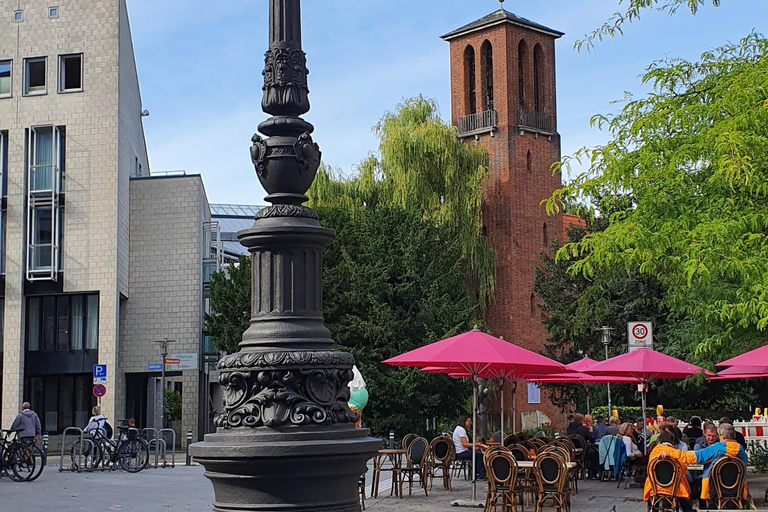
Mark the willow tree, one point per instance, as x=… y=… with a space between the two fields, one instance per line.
x=421 y=166
x=693 y=157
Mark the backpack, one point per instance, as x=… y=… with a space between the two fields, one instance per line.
x=108 y=429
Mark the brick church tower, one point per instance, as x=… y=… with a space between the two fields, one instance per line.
x=503 y=96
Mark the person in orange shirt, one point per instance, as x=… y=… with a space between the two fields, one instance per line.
x=665 y=450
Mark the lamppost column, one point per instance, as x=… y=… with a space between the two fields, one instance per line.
x=285 y=411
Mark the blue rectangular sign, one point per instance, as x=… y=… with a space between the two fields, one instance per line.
x=99 y=371
x=154 y=367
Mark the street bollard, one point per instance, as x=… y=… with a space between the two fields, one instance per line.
x=391 y=439
x=45 y=448
x=189 y=442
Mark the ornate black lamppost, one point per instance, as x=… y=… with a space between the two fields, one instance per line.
x=286 y=440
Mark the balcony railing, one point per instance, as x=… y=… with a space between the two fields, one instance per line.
x=477 y=123
x=535 y=120
x=42 y=261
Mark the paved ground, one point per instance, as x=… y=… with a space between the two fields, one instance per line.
x=186 y=489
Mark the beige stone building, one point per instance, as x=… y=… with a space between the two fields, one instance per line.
x=99 y=258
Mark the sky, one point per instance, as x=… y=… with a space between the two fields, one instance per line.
x=200 y=71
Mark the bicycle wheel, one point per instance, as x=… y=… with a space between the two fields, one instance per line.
x=133 y=455
x=36 y=453
x=91 y=455
x=22 y=464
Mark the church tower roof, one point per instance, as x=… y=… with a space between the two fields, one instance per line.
x=500 y=17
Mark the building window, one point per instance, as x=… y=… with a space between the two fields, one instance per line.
x=62 y=323
x=6 y=68
x=528 y=163
x=53 y=12
x=471 y=79
x=522 y=51
x=44 y=209
x=18 y=16
x=487 y=55
x=534 y=393
x=4 y=193
x=34 y=76
x=71 y=73
x=537 y=95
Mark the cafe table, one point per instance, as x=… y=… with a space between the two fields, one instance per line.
x=387 y=460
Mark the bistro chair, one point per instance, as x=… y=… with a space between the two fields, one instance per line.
x=441 y=454
x=525 y=476
x=416 y=457
x=552 y=479
x=580 y=458
x=666 y=477
x=497 y=437
x=728 y=480
x=407 y=439
x=567 y=452
x=510 y=439
x=501 y=472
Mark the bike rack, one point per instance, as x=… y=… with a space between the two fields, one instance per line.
x=79 y=466
x=150 y=436
x=162 y=433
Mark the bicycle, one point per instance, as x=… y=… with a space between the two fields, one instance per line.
x=128 y=452
x=21 y=460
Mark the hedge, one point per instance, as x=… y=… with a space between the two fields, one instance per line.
x=631 y=413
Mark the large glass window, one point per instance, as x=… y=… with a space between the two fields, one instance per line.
x=487 y=52
x=471 y=78
x=34 y=76
x=6 y=77
x=63 y=323
x=71 y=73
x=60 y=401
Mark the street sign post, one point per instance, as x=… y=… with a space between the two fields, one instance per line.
x=99 y=374
x=640 y=335
x=170 y=361
x=155 y=367
x=99 y=390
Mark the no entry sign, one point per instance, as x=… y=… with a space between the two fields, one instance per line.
x=640 y=335
x=99 y=390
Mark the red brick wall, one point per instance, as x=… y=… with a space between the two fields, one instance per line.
x=513 y=217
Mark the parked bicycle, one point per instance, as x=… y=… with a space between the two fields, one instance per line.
x=128 y=452
x=21 y=460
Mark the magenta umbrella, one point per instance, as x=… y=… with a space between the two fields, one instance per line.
x=645 y=365
x=742 y=372
x=476 y=354
x=757 y=357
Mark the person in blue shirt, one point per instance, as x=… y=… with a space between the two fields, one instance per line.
x=599 y=428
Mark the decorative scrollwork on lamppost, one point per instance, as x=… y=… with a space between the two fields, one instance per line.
x=285 y=392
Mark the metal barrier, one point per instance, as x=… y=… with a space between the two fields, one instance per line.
x=162 y=433
x=157 y=446
x=78 y=466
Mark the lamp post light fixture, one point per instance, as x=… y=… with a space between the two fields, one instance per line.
x=606 y=339
x=285 y=392
x=164 y=353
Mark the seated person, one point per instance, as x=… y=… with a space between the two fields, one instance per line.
x=693 y=431
x=708 y=439
x=591 y=455
x=665 y=450
x=464 y=447
x=613 y=426
x=739 y=436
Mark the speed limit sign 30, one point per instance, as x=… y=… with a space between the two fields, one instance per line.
x=640 y=335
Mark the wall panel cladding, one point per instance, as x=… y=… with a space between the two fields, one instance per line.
x=520 y=178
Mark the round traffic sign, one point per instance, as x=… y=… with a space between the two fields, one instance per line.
x=640 y=331
x=99 y=390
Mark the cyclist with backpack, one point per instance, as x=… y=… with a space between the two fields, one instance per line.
x=99 y=422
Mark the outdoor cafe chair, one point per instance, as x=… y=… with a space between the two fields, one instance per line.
x=407 y=439
x=502 y=473
x=665 y=476
x=528 y=483
x=568 y=454
x=497 y=437
x=441 y=454
x=415 y=464
x=552 y=479
x=580 y=459
x=728 y=480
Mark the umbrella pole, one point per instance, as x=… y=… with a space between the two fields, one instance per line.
x=474 y=438
x=502 y=412
x=645 y=441
x=586 y=390
x=514 y=408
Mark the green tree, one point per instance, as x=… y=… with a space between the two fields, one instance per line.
x=422 y=166
x=230 y=305
x=632 y=11
x=692 y=157
x=392 y=282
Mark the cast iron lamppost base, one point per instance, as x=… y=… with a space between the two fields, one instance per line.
x=286 y=440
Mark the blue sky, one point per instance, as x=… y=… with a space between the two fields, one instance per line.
x=200 y=70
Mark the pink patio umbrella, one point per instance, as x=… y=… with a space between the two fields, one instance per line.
x=645 y=365
x=477 y=354
x=757 y=357
x=742 y=372
x=584 y=380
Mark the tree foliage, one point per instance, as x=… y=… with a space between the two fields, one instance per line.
x=634 y=8
x=423 y=167
x=692 y=157
x=392 y=282
x=230 y=294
